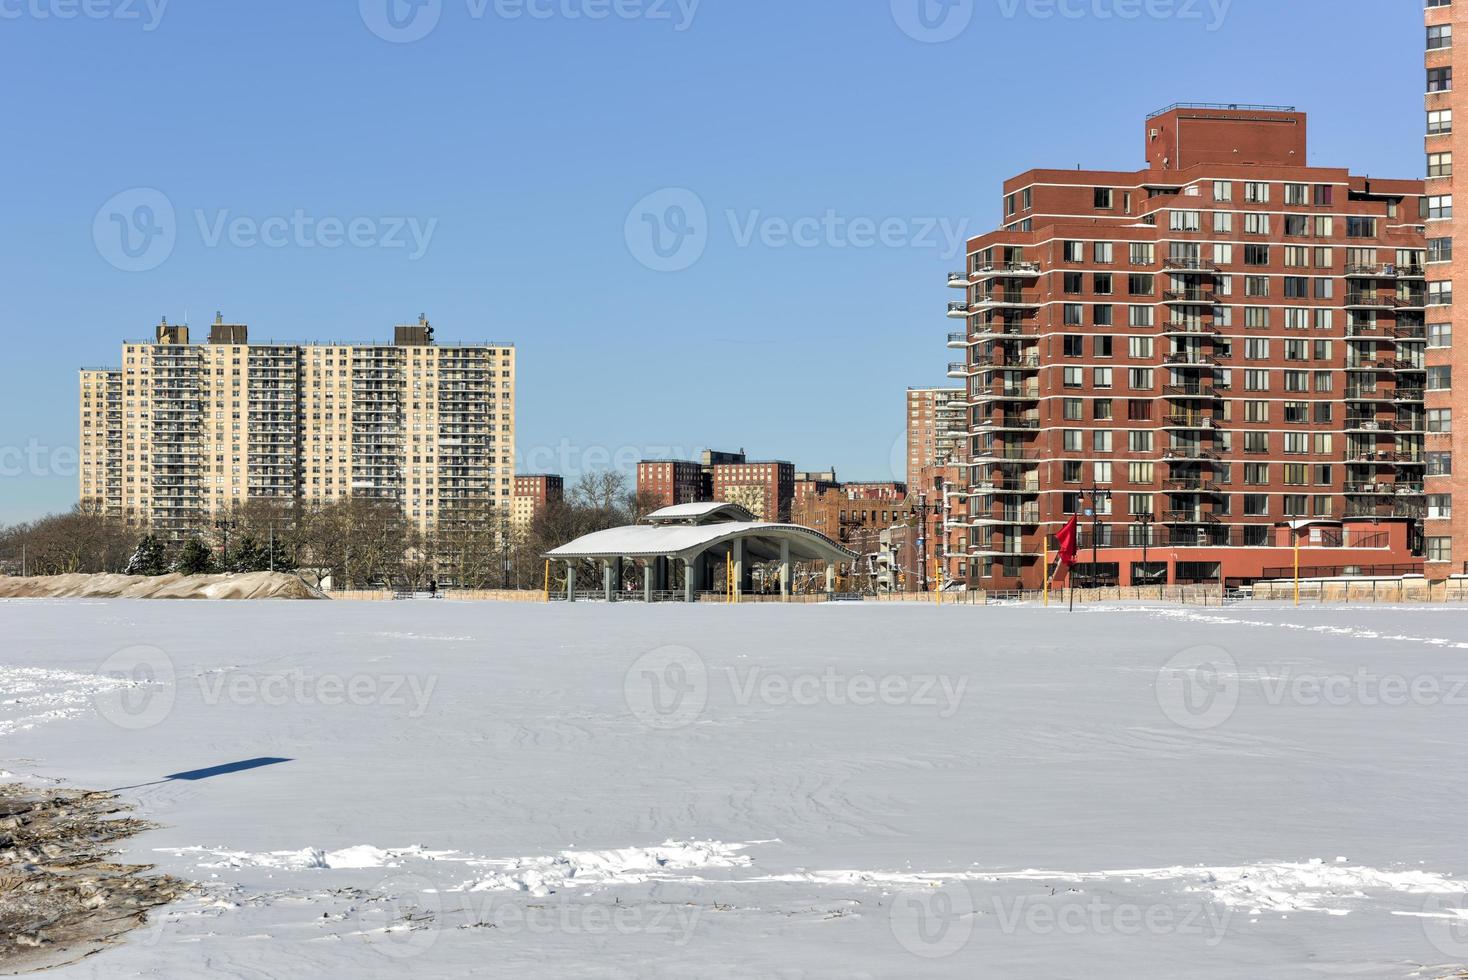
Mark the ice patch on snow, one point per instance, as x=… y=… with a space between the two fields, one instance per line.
x=541 y=876
x=308 y=858
x=1311 y=886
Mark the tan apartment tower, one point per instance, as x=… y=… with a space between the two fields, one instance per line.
x=182 y=431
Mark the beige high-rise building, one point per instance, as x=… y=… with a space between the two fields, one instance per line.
x=183 y=431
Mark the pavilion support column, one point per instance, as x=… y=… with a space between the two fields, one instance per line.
x=689 y=570
x=738 y=583
x=647 y=574
x=830 y=578
x=571 y=581
x=785 y=569
x=606 y=579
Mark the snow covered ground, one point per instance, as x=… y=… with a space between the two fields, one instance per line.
x=440 y=789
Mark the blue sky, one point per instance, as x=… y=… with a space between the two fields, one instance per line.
x=800 y=160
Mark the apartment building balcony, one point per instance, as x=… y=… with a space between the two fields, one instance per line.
x=1022 y=362
x=1008 y=393
x=958 y=369
x=1368 y=364
x=958 y=340
x=1183 y=454
x=1190 y=360
x=1002 y=300
x=997 y=331
x=1412 y=272
x=959 y=311
x=1180 y=264
x=1004 y=487
x=1371 y=301
x=1411 y=301
x=1369 y=488
x=1408 y=394
x=1194 y=516
x=1190 y=296
x=1005 y=270
x=1356 y=394
x=1008 y=422
x=1358 y=271
x=1004 y=454
x=1001 y=551
x=1189 y=421
x=1190 y=391
x=1184 y=328
x=958 y=280
x=1190 y=484
x=1020 y=516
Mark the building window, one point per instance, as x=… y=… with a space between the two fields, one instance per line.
x=1439 y=420
x=1256 y=192
x=1440 y=293
x=1142 y=253
x=1439 y=250
x=1439 y=206
x=1440 y=36
x=1439 y=506
x=1439 y=164
x=1439 y=378
x=1439 y=549
x=1360 y=227
x=1102 y=252
x=1439 y=121
x=1439 y=464
x=1103 y=197
x=1439 y=79
x=1223 y=190
x=1439 y=335
x=1074 y=251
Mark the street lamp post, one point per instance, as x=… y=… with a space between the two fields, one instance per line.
x=225 y=526
x=1146 y=521
x=1096 y=493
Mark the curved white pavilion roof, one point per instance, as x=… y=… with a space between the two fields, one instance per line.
x=761 y=542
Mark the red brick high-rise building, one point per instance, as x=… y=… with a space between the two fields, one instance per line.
x=1206 y=359
x=1446 y=527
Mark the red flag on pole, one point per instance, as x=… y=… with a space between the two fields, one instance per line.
x=1066 y=539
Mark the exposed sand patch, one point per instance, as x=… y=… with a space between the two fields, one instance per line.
x=252 y=585
x=61 y=898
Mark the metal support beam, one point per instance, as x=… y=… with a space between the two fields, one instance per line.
x=738 y=583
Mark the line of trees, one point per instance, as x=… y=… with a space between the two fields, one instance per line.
x=358 y=542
